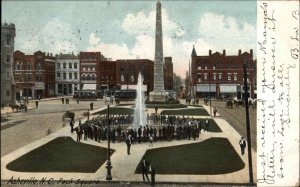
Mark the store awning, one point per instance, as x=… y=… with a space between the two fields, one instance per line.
x=228 y=88
x=205 y=88
x=89 y=87
x=133 y=87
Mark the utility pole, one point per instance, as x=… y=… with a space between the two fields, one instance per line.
x=248 y=124
x=209 y=93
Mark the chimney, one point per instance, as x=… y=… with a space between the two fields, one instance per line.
x=240 y=52
x=251 y=52
x=209 y=52
x=224 y=52
x=50 y=54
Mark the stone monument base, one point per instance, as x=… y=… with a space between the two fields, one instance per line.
x=157 y=96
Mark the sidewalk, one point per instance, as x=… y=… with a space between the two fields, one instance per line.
x=124 y=165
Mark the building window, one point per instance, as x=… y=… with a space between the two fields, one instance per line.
x=205 y=66
x=38 y=66
x=30 y=77
x=214 y=67
x=94 y=76
x=93 y=68
x=220 y=76
x=84 y=68
x=64 y=76
x=88 y=77
x=8 y=40
x=122 y=78
x=205 y=76
x=58 y=66
x=132 y=78
x=70 y=75
x=7 y=58
x=70 y=65
x=75 y=65
x=29 y=66
x=235 y=76
x=215 y=76
x=199 y=78
x=102 y=78
x=58 y=76
x=7 y=76
x=75 y=87
x=199 y=67
x=229 y=76
x=75 y=76
x=64 y=65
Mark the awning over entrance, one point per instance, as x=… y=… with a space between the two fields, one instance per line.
x=205 y=88
x=89 y=87
x=133 y=87
x=228 y=88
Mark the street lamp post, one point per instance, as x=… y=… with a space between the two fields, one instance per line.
x=108 y=163
x=209 y=93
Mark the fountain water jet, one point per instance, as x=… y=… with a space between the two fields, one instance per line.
x=139 y=111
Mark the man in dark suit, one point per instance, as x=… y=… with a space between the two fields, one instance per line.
x=128 y=142
x=144 y=168
x=242 y=143
x=152 y=173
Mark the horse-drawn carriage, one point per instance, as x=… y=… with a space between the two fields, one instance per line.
x=68 y=117
x=229 y=103
x=20 y=106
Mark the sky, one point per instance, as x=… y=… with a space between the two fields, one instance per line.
x=126 y=29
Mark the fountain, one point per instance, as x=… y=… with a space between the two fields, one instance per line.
x=139 y=111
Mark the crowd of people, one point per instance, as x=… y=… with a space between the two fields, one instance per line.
x=170 y=128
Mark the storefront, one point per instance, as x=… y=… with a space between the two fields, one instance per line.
x=205 y=90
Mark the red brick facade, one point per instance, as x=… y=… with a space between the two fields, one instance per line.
x=224 y=74
x=127 y=72
x=34 y=74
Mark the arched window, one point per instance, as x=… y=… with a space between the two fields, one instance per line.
x=88 y=77
x=93 y=76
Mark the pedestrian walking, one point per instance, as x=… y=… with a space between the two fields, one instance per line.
x=152 y=173
x=36 y=104
x=77 y=100
x=128 y=143
x=150 y=140
x=62 y=100
x=242 y=145
x=144 y=167
x=91 y=105
x=215 y=111
x=206 y=124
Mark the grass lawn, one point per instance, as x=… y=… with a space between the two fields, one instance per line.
x=117 y=110
x=160 y=106
x=211 y=157
x=61 y=155
x=187 y=112
x=213 y=126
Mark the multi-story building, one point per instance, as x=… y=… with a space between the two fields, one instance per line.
x=89 y=66
x=8 y=33
x=220 y=75
x=34 y=74
x=168 y=73
x=107 y=75
x=127 y=73
x=67 y=74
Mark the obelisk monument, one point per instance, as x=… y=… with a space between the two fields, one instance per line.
x=158 y=93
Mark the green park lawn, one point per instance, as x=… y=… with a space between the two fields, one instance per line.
x=210 y=157
x=62 y=154
x=187 y=112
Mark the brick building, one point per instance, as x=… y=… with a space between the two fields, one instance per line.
x=67 y=74
x=223 y=73
x=34 y=74
x=107 y=75
x=168 y=73
x=89 y=64
x=127 y=73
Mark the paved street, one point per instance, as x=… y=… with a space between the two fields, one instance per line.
x=23 y=128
